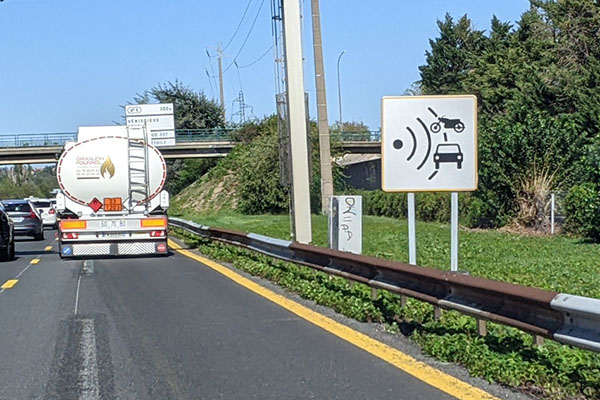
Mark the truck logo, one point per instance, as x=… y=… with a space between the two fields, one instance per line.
x=107 y=168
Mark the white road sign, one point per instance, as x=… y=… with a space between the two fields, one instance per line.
x=158 y=118
x=429 y=143
x=153 y=122
x=162 y=134
x=162 y=142
x=149 y=109
x=345 y=223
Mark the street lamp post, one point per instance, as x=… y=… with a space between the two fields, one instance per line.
x=339 y=88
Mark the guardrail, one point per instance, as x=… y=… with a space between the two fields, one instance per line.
x=566 y=318
x=182 y=136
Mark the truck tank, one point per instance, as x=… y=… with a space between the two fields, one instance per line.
x=112 y=200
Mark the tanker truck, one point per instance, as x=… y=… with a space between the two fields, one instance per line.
x=111 y=200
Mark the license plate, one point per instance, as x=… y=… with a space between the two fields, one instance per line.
x=113 y=223
x=18 y=219
x=114 y=234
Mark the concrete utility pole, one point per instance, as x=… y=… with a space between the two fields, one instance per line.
x=297 y=120
x=324 y=143
x=222 y=96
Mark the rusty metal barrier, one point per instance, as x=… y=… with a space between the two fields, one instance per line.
x=566 y=318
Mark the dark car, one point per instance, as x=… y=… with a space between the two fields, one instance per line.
x=7 y=238
x=26 y=219
x=448 y=153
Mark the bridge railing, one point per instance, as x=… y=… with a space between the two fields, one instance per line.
x=182 y=136
x=204 y=135
x=353 y=136
x=37 y=139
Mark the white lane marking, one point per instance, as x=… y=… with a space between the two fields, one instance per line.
x=88 y=374
x=22 y=272
x=77 y=294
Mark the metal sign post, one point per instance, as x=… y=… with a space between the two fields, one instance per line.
x=552 y=214
x=454 y=232
x=412 y=237
x=429 y=144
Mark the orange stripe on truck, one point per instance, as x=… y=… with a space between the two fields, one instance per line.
x=153 y=223
x=72 y=224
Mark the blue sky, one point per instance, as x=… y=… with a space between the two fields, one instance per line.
x=66 y=63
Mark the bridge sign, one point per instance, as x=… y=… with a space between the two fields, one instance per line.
x=158 y=118
x=429 y=143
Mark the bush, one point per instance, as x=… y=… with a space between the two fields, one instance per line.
x=428 y=206
x=582 y=209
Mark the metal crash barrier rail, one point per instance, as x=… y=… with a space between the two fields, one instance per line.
x=566 y=318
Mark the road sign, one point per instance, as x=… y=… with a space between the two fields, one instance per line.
x=153 y=122
x=345 y=223
x=149 y=109
x=429 y=143
x=158 y=119
x=163 y=142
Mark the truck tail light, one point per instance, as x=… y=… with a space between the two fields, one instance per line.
x=70 y=235
x=153 y=223
x=73 y=224
x=157 y=233
x=52 y=211
x=161 y=248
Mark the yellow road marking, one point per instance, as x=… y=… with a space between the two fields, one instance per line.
x=48 y=248
x=35 y=261
x=438 y=379
x=9 y=284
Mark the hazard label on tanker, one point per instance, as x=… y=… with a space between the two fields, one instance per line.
x=113 y=204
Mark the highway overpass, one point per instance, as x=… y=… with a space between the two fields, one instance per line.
x=47 y=148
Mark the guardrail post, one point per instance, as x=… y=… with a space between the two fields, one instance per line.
x=482 y=327
x=403 y=300
x=539 y=340
x=374 y=293
x=437 y=313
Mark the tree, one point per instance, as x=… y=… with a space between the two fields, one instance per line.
x=451 y=57
x=538 y=86
x=192 y=111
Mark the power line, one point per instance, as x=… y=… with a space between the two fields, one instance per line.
x=212 y=92
x=239 y=25
x=247 y=36
x=211 y=67
x=258 y=59
x=238 y=75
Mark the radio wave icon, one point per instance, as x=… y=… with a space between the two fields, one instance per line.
x=398 y=144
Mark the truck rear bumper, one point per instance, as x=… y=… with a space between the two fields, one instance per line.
x=127 y=248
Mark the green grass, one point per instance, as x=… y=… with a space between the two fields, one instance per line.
x=557 y=263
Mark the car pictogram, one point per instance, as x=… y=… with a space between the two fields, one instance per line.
x=448 y=153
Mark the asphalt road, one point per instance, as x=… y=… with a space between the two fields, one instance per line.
x=168 y=328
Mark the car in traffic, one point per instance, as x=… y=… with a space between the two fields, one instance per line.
x=7 y=237
x=448 y=153
x=46 y=210
x=27 y=221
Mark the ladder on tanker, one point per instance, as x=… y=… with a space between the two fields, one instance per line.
x=137 y=154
